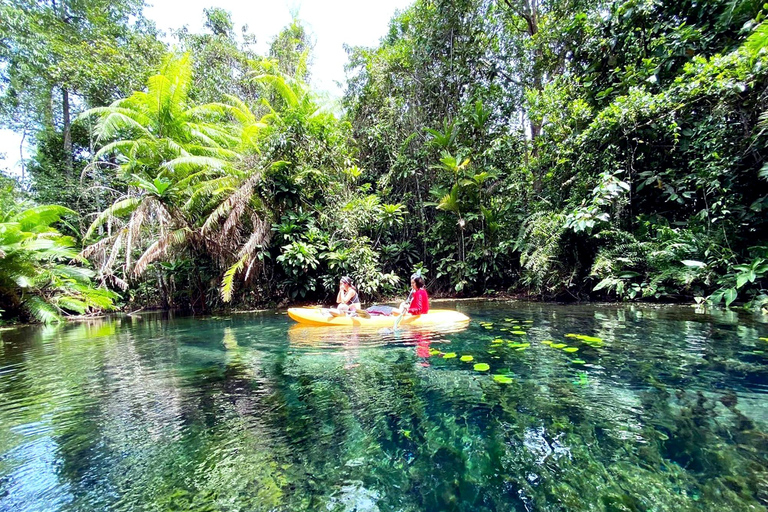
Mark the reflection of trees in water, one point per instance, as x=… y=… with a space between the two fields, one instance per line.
x=239 y=422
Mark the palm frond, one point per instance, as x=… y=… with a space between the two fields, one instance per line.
x=158 y=249
x=41 y=310
x=228 y=281
x=115 y=123
x=280 y=85
x=118 y=209
x=191 y=163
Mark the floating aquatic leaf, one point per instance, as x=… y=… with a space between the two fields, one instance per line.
x=502 y=379
x=758 y=351
x=433 y=351
x=466 y=359
x=521 y=333
x=520 y=349
x=578 y=361
x=519 y=345
x=504 y=329
x=488 y=326
x=559 y=345
x=570 y=335
x=547 y=342
x=570 y=349
x=764 y=339
x=491 y=351
x=527 y=321
x=498 y=340
x=482 y=367
x=582 y=379
x=509 y=319
x=449 y=355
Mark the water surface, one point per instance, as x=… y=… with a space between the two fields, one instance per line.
x=658 y=409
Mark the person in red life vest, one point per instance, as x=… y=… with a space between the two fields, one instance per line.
x=420 y=301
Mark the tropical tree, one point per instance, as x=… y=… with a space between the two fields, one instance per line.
x=165 y=148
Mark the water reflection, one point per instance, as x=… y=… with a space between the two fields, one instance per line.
x=253 y=412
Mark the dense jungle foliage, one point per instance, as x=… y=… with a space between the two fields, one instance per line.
x=565 y=150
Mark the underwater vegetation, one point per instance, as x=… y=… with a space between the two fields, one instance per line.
x=657 y=410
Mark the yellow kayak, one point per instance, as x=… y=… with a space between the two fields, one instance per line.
x=435 y=317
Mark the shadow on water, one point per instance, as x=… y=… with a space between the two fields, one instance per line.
x=531 y=407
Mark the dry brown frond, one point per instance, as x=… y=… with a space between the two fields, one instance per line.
x=134 y=230
x=233 y=207
x=160 y=247
x=107 y=265
x=98 y=249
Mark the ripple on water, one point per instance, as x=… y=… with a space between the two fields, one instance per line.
x=257 y=413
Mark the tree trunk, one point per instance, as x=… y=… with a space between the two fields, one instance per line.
x=67 y=131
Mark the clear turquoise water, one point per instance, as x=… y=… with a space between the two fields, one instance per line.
x=667 y=412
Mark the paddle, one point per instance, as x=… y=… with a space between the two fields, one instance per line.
x=402 y=311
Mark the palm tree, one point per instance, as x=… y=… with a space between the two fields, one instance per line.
x=167 y=149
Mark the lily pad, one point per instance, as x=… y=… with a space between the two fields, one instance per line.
x=570 y=349
x=527 y=321
x=764 y=339
x=559 y=345
x=498 y=340
x=449 y=355
x=521 y=333
x=466 y=359
x=578 y=361
x=547 y=342
x=502 y=379
x=482 y=367
x=571 y=335
x=433 y=352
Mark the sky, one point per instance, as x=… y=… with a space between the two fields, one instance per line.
x=332 y=23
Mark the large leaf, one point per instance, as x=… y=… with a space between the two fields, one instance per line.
x=41 y=310
x=40 y=217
